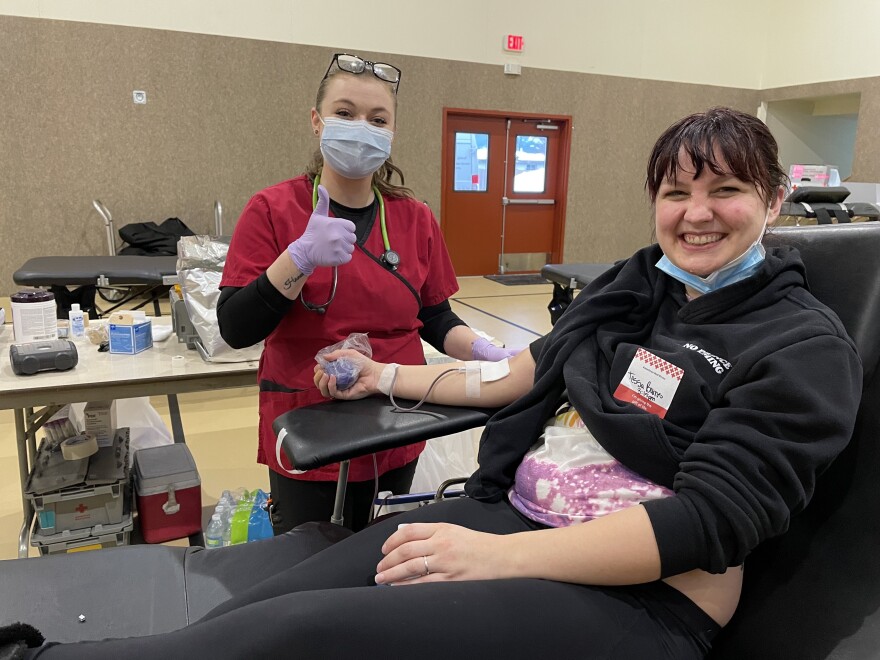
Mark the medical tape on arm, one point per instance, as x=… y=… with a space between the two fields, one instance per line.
x=387 y=378
x=472 y=379
x=492 y=371
x=477 y=372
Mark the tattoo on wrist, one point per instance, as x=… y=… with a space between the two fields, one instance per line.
x=290 y=281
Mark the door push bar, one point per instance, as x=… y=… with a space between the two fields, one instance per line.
x=505 y=201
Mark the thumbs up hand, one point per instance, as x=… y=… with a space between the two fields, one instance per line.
x=325 y=242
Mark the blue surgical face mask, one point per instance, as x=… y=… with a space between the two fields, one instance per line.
x=354 y=148
x=745 y=265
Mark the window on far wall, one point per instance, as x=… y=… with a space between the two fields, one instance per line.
x=529 y=169
x=471 y=162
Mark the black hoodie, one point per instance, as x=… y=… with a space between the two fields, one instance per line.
x=768 y=398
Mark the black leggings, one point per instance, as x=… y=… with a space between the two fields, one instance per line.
x=328 y=606
x=297 y=501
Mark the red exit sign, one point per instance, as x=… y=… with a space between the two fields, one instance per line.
x=513 y=42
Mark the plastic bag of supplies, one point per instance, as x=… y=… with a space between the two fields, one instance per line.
x=200 y=261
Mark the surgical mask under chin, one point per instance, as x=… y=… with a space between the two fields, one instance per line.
x=354 y=148
x=745 y=265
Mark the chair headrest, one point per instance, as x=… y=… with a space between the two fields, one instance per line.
x=832 y=195
x=841 y=262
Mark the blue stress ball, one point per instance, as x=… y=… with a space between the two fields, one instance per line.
x=345 y=371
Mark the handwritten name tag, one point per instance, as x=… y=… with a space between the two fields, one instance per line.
x=650 y=383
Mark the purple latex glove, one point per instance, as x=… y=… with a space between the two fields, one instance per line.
x=325 y=242
x=483 y=349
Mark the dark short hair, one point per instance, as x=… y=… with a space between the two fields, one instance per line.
x=745 y=147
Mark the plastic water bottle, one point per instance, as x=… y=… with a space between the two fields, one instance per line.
x=226 y=536
x=214 y=533
x=225 y=509
x=227 y=501
x=77 y=322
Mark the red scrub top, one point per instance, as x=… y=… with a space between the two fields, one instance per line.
x=369 y=298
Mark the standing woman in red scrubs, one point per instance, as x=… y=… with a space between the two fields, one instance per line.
x=340 y=249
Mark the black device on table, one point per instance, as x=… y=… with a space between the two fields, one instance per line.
x=49 y=355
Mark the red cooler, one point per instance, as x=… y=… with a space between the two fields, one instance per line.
x=169 y=494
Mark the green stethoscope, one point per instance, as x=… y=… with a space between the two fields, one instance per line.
x=389 y=258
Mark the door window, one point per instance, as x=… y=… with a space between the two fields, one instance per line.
x=471 y=162
x=530 y=159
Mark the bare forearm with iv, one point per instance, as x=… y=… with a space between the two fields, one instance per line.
x=465 y=383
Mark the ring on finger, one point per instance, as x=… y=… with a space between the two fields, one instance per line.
x=427 y=570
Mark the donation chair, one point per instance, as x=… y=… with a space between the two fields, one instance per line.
x=823 y=206
x=137 y=590
x=811 y=593
x=566 y=279
x=89 y=274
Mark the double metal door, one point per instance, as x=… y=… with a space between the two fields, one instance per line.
x=504 y=186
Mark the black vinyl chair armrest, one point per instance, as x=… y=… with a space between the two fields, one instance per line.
x=325 y=433
x=573 y=276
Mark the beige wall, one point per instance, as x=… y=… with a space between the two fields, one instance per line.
x=228 y=116
x=755 y=44
x=816 y=41
x=866 y=153
x=677 y=40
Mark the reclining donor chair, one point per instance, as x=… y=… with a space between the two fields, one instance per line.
x=811 y=593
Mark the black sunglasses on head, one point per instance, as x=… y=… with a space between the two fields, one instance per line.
x=354 y=64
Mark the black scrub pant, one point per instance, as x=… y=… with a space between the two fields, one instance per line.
x=296 y=501
x=328 y=606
